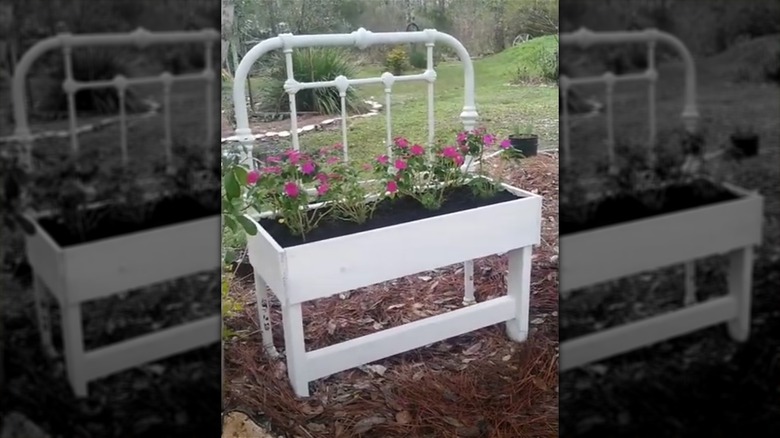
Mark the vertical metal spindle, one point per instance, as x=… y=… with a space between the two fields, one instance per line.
x=291 y=94
x=651 y=71
x=70 y=89
x=609 y=81
x=431 y=120
x=121 y=88
x=167 y=85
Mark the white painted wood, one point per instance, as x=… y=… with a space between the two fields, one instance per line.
x=596 y=256
x=105 y=267
x=468 y=283
x=369 y=348
x=519 y=288
x=295 y=348
x=44 y=317
x=740 y=278
x=628 y=337
x=320 y=269
x=73 y=343
x=102 y=268
x=127 y=354
x=310 y=271
x=264 y=316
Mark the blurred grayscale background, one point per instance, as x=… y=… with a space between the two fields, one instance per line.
x=177 y=396
x=704 y=383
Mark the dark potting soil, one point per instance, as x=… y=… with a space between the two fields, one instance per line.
x=625 y=208
x=387 y=213
x=163 y=212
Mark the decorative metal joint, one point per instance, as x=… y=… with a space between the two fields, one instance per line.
x=388 y=79
x=286 y=39
x=291 y=86
x=342 y=84
x=142 y=37
x=363 y=38
x=430 y=76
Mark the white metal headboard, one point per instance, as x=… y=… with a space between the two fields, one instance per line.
x=140 y=38
x=362 y=39
x=585 y=38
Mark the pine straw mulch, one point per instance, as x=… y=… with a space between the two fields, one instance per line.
x=479 y=384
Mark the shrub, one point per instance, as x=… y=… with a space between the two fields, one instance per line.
x=90 y=65
x=396 y=61
x=772 y=68
x=309 y=65
x=547 y=62
x=418 y=59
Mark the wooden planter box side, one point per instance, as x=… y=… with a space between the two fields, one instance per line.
x=618 y=251
x=321 y=269
x=102 y=268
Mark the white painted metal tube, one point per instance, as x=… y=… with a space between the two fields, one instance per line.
x=139 y=37
x=361 y=38
x=584 y=38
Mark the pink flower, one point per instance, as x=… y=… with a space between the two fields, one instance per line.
x=273 y=159
x=253 y=176
x=449 y=152
x=488 y=139
x=382 y=159
x=324 y=151
x=506 y=144
x=273 y=169
x=401 y=142
x=417 y=150
x=307 y=168
x=333 y=160
x=294 y=157
x=323 y=178
x=462 y=136
x=291 y=189
x=400 y=164
x=459 y=160
x=392 y=186
x=322 y=189
x=338 y=147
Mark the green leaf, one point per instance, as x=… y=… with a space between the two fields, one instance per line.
x=231 y=185
x=248 y=224
x=241 y=174
x=230 y=256
x=230 y=223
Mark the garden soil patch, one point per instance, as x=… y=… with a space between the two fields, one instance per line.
x=113 y=223
x=480 y=384
x=628 y=207
x=387 y=213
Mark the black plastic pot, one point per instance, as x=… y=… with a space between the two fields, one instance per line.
x=527 y=144
x=746 y=144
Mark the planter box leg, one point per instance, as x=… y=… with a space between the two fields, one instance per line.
x=740 y=287
x=73 y=340
x=468 y=283
x=295 y=349
x=519 y=287
x=44 y=317
x=264 y=316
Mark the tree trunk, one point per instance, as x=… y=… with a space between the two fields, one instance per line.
x=228 y=15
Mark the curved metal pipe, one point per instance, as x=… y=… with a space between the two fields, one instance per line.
x=360 y=38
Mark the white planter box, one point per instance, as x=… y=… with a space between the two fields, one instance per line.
x=595 y=256
x=102 y=268
x=325 y=268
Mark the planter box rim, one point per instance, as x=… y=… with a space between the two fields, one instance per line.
x=33 y=217
x=520 y=193
x=741 y=193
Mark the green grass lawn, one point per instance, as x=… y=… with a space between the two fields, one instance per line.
x=501 y=106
